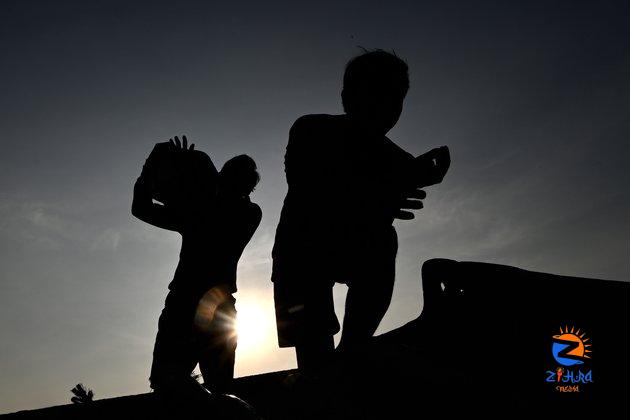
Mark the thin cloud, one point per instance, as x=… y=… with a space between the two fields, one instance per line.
x=53 y=226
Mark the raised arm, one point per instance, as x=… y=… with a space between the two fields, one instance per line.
x=159 y=215
x=152 y=213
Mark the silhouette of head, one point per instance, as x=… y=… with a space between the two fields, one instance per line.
x=239 y=176
x=374 y=87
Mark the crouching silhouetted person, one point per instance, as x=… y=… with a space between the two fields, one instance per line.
x=213 y=213
x=347 y=183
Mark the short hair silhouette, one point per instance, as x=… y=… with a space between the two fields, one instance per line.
x=373 y=73
x=240 y=174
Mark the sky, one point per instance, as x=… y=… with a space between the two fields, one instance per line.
x=531 y=97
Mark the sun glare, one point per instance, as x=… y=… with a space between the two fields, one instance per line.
x=253 y=326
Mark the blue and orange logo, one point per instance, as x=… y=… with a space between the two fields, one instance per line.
x=571 y=349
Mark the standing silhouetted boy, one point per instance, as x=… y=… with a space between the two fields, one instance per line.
x=347 y=183
x=216 y=219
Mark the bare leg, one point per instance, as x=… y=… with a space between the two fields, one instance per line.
x=174 y=357
x=307 y=320
x=314 y=353
x=218 y=349
x=366 y=306
x=369 y=295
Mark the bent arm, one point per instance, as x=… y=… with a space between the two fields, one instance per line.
x=312 y=172
x=244 y=229
x=431 y=168
x=152 y=213
x=254 y=222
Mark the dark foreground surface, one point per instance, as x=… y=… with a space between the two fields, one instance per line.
x=484 y=344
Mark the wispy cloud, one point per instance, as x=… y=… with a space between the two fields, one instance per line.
x=53 y=226
x=107 y=240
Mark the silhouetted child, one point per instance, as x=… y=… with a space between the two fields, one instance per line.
x=216 y=219
x=347 y=183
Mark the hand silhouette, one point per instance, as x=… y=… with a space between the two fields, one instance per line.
x=167 y=170
x=431 y=167
x=179 y=146
x=410 y=202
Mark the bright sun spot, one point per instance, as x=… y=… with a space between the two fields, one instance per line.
x=253 y=326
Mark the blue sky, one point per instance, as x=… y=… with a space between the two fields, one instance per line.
x=530 y=96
